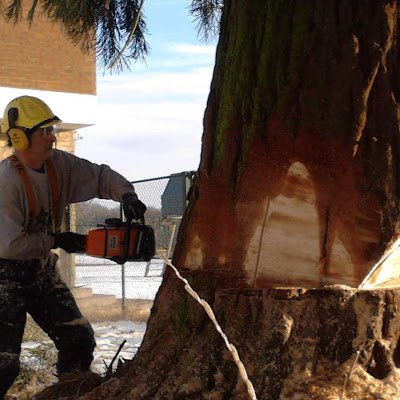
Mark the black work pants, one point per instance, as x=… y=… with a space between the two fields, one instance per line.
x=26 y=287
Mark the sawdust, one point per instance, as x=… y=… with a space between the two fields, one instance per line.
x=71 y=385
x=328 y=383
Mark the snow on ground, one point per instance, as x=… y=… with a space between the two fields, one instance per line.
x=141 y=279
x=110 y=335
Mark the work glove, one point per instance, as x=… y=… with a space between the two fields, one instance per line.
x=133 y=207
x=70 y=242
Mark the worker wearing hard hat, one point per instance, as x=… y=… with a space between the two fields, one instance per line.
x=36 y=185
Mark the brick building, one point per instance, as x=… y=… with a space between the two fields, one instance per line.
x=39 y=60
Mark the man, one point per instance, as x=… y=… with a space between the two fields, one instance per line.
x=36 y=184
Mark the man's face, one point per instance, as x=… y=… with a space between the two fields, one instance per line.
x=42 y=143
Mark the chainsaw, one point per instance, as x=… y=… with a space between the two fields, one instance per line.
x=121 y=241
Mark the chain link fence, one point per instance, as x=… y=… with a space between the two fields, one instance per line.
x=165 y=198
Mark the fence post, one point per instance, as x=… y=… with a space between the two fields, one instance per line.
x=123 y=294
x=123 y=285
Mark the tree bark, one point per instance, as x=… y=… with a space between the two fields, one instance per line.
x=298 y=188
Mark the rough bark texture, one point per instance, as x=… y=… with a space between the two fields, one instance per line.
x=298 y=186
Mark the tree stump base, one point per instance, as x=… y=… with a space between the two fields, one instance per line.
x=333 y=342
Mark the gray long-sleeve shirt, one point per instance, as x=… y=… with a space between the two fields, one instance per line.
x=78 y=180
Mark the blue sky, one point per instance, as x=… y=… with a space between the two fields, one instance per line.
x=149 y=119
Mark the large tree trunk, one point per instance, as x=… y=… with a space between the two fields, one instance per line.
x=298 y=187
x=298 y=182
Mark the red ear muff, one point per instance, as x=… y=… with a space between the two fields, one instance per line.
x=18 y=137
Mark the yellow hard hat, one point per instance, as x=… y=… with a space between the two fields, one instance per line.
x=28 y=112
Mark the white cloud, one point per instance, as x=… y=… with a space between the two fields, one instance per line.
x=192 y=49
x=119 y=88
x=183 y=55
x=149 y=122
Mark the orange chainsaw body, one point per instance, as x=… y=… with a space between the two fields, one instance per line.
x=109 y=241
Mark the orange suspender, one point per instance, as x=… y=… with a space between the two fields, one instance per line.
x=52 y=176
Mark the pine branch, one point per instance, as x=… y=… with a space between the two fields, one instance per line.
x=31 y=12
x=129 y=41
x=14 y=11
x=115 y=29
x=207 y=14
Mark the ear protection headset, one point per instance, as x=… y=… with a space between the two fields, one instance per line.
x=18 y=136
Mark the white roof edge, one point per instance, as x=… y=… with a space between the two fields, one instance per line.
x=67 y=126
x=69 y=107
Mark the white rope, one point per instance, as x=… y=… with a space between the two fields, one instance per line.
x=210 y=313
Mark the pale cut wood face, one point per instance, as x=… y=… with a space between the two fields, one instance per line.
x=296 y=234
x=286 y=247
